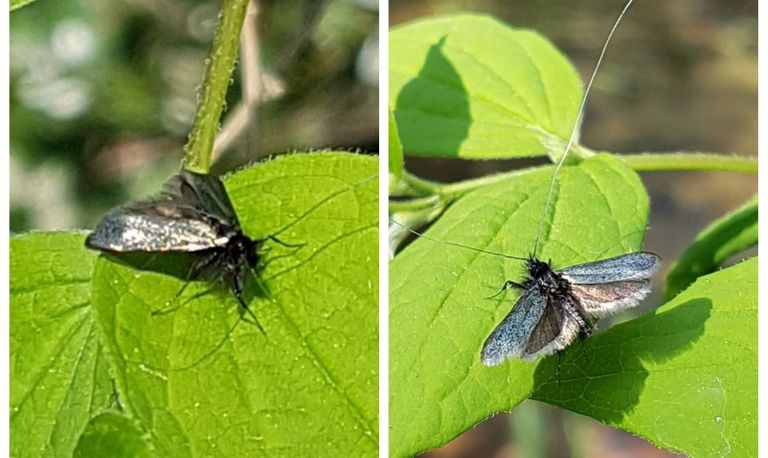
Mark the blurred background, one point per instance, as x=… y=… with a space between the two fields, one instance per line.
x=678 y=76
x=103 y=95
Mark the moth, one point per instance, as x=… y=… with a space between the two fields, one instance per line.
x=556 y=306
x=192 y=214
x=559 y=305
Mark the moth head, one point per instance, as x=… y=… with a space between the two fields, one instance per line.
x=537 y=268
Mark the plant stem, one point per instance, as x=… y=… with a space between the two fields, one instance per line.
x=429 y=193
x=219 y=65
x=420 y=185
x=433 y=193
x=427 y=188
x=413 y=204
x=669 y=162
x=457 y=189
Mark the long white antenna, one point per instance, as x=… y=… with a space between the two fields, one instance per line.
x=577 y=124
x=419 y=234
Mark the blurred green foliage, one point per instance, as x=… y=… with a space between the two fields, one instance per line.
x=103 y=95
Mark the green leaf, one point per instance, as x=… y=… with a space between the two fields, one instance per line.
x=114 y=435
x=724 y=238
x=470 y=86
x=16 y=4
x=199 y=381
x=395 y=149
x=438 y=386
x=684 y=376
x=205 y=382
x=59 y=374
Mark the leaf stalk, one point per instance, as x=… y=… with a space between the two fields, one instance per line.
x=218 y=71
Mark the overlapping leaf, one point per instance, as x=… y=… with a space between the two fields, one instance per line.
x=722 y=239
x=683 y=377
x=469 y=86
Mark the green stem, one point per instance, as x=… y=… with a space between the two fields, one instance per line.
x=670 y=162
x=413 y=204
x=420 y=185
x=218 y=71
x=427 y=188
x=433 y=193
x=430 y=192
x=457 y=189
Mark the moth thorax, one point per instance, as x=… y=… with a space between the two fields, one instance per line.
x=240 y=246
x=225 y=235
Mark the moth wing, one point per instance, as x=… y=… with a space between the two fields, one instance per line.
x=122 y=231
x=509 y=338
x=189 y=195
x=633 y=266
x=555 y=331
x=210 y=194
x=604 y=299
x=546 y=330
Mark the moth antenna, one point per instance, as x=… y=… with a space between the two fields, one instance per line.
x=494 y=253
x=322 y=202
x=577 y=124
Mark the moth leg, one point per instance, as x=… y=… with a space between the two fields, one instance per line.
x=191 y=276
x=507 y=284
x=237 y=283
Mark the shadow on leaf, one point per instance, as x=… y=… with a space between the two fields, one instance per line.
x=180 y=266
x=604 y=376
x=432 y=110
